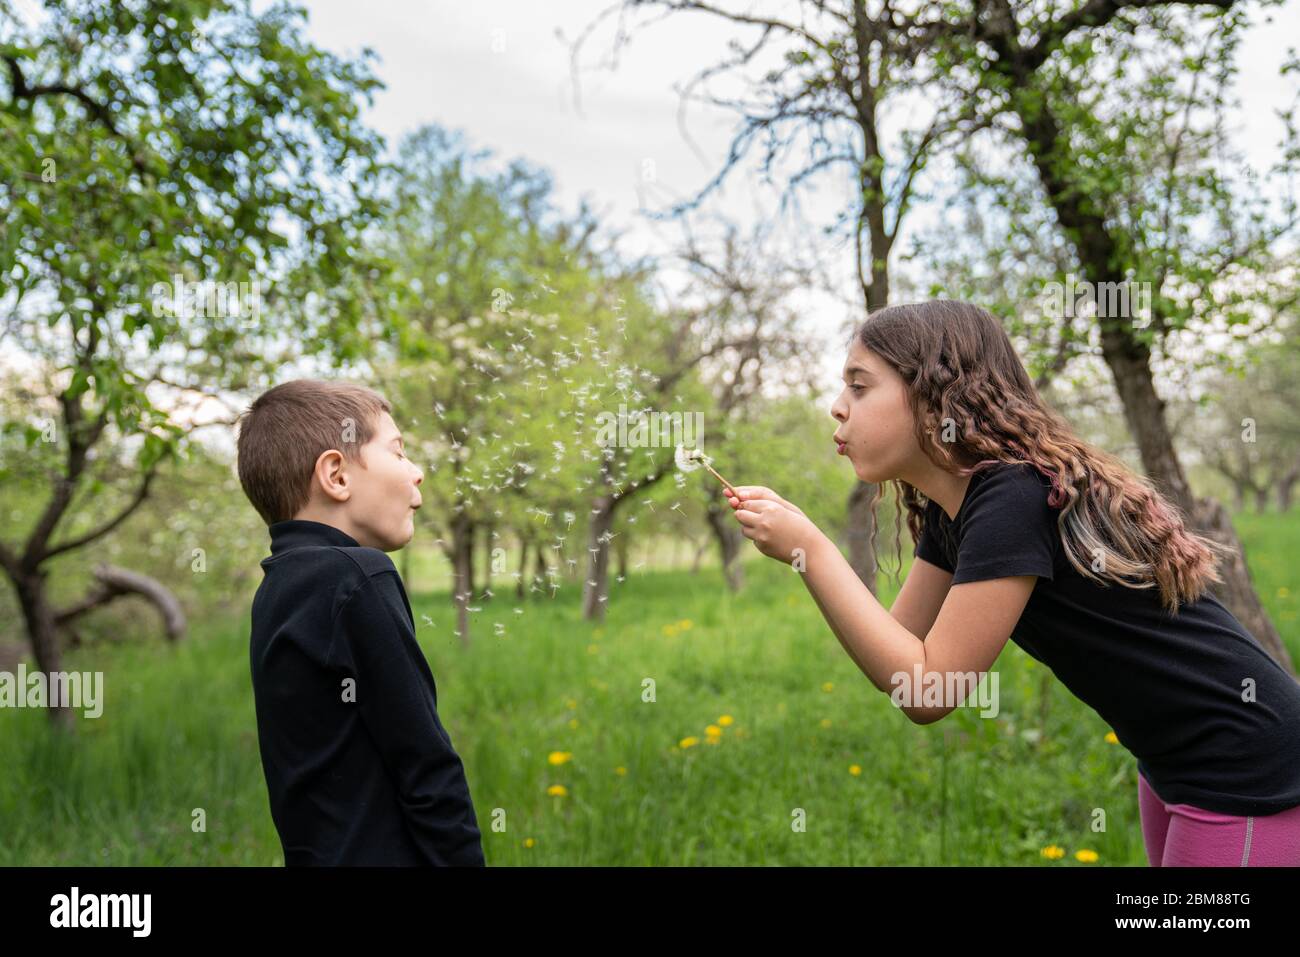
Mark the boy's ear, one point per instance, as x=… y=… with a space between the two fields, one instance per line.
x=330 y=475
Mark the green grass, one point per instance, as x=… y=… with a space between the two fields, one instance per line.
x=178 y=734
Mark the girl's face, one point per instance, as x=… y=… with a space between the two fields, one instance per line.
x=876 y=422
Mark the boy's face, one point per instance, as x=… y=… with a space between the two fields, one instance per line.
x=384 y=491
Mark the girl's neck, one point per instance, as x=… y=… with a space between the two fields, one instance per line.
x=937 y=485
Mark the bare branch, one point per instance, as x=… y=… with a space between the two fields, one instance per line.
x=140 y=495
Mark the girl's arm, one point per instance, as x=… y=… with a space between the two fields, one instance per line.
x=972 y=626
x=922 y=595
x=916 y=607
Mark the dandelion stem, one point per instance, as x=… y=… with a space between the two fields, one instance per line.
x=729 y=486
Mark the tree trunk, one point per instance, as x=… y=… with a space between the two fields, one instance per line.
x=487 y=559
x=523 y=568
x=1129 y=360
x=1285 y=488
x=600 y=523
x=595 y=585
x=862 y=523
x=699 y=557
x=543 y=570
x=462 y=574
x=621 y=552
x=730 y=540
x=470 y=529
x=39 y=618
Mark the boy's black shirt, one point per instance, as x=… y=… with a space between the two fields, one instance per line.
x=358 y=766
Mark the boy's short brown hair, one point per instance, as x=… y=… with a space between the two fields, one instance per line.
x=285 y=430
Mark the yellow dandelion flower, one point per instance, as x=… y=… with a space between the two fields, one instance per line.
x=855 y=770
x=726 y=721
x=1053 y=853
x=828 y=687
x=560 y=757
x=826 y=722
x=1087 y=856
x=685 y=624
x=713 y=731
x=1283 y=592
x=529 y=842
x=1111 y=738
x=573 y=722
x=669 y=630
x=557 y=790
x=571 y=705
x=688 y=742
x=621 y=771
x=593 y=649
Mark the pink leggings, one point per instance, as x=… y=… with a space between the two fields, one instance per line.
x=1180 y=835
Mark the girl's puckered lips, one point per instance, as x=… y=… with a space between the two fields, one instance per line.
x=840 y=444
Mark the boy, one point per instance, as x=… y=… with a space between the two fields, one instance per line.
x=357 y=764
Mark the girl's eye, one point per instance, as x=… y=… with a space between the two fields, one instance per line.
x=857 y=388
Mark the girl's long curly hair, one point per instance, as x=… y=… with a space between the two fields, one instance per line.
x=966 y=382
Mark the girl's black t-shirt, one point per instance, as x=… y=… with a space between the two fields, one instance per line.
x=1212 y=719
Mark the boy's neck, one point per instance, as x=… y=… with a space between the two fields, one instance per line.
x=335 y=518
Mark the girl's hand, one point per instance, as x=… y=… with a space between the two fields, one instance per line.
x=779 y=532
x=745 y=493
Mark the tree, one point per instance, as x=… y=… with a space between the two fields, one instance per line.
x=1097 y=151
x=162 y=163
x=745 y=287
x=834 y=74
x=1245 y=426
x=493 y=285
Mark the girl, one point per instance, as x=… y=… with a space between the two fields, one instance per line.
x=1024 y=531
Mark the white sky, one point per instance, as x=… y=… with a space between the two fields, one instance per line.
x=500 y=71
